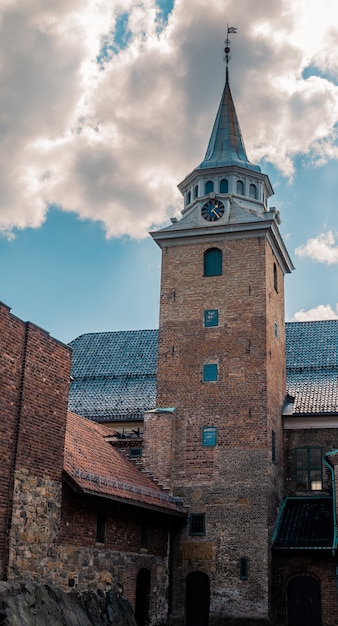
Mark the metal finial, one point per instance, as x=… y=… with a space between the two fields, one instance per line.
x=227 y=57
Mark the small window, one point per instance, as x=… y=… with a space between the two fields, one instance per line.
x=276 y=329
x=273 y=446
x=209 y=186
x=309 y=472
x=197 y=524
x=224 y=186
x=209 y=436
x=210 y=317
x=135 y=453
x=210 y=372
x=275 y=284
x=144 y=539
x=253 y=191
x=213 y=262
x=240 y=187
x=244 y=568
x=100 y=536
x=188 y=197
x=196 y=191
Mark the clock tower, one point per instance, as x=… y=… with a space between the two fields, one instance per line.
x=221 y=381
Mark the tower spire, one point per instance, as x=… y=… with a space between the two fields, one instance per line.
x=227 y=57
x=226 y=146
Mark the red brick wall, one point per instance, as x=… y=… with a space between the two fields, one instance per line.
x=235 y=483
x=34 y=384
x=123 y=527
x=12 y=333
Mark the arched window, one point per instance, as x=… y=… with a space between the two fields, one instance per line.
x=240 y=187
x=188 y=197
x=196 y=191
x=275 y=283
x=209 y=186
x=253 y=191
x=224 y=186
x=213 y=262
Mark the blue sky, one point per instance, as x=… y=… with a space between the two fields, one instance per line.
x=95 y=140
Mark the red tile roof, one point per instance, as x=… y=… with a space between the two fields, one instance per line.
x=99 y=469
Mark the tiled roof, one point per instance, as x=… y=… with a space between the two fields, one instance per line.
x=312 y=366
x=304 y=523
x=114 y=374
x=96 y=468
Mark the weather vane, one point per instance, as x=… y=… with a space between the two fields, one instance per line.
x=227 y=57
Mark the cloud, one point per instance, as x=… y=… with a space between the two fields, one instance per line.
x=323 y=248
x=105 y=107
x=321 y=312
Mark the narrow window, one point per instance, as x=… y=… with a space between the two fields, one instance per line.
x=273 y=446
x=275 y=284
x=209 y=436
x=209 y=186
x=309 y=471
x=253 y=191
x=240 y=187
x=224 y=186
x=197 y=524
x=100 y=536
x=144 y=534
x=276 y=330
x=213 y=262
x=210 y=372
x=210 y=317
x=196 y=191
x=188 y=197
x=244 y=568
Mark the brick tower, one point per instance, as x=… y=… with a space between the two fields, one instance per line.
x=221 y=365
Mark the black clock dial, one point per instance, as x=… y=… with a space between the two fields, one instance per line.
x=212 y=210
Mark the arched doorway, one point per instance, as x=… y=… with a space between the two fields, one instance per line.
x=304 y=602
x=142 y=597
x=197 y=599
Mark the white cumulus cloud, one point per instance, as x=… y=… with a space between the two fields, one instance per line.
x=106 y=106
x=321 y=312
x=323 y=248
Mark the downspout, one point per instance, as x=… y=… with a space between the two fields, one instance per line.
x=335 y=534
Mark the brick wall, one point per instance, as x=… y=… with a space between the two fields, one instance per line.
x=235 y=483
x=34 y=384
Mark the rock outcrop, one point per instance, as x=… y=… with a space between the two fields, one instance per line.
x=30 y=604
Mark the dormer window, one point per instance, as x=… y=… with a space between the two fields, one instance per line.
x=253 y=191
x=240 y=187
x=209 y=187
x=224 y=186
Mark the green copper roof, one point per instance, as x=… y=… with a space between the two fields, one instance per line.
x=226 y=145
x=304 y=523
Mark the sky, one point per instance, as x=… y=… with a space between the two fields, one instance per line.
x=106 y=105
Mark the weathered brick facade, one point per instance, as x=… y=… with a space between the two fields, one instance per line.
x=35 y=372
x=236 y=484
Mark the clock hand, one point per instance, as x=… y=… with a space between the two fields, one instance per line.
x=213 y=211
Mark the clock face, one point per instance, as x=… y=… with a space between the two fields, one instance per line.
x=212 y=210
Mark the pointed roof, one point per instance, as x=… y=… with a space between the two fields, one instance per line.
x=226 y=145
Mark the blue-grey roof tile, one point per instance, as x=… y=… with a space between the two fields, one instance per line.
x=312 y=366
x=114 y=373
